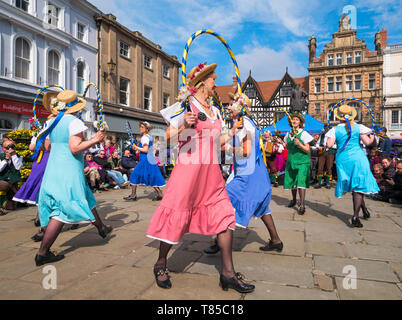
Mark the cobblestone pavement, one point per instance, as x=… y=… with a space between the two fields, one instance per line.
x=321 y=255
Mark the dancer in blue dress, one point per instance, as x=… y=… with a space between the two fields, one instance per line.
x=352 y=165
x=249 y=186
x=146 y=172
x=65 y=197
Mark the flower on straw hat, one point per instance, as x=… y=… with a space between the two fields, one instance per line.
x=240 y=102
x=345 y=112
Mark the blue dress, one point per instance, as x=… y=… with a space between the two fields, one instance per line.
x=249 y=188
x=147 y=171
x=64 y=194
x=352 y=165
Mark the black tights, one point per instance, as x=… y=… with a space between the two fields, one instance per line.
x=358 y=202
x=302 y=195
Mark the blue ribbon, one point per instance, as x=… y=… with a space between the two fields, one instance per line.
x=349 y=134
x=47 y=132
x=72 y=103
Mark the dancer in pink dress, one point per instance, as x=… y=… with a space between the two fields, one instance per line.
x=195 y=198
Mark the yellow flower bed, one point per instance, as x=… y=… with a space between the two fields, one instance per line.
x=20 y=133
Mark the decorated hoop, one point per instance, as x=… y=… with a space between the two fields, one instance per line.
x=236 y=67
x=375 y=127
x=38 y=93
x=98 y=102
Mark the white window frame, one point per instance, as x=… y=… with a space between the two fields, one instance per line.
x=369 y=81
x=396 y=125
x=148 y=98
x=349 y=55
x=58 y=17
x=339 y=55
x=33 y=56
x=349 y=81
x=358 y=54
x=128 y=49
x=165 y=105
x=50 y=46
x=21 y=1
x=127 y=92
x=146 y=61
x=168 y=71
x=330 y=82
x=84 y=38
x=80 y=60
x=317 y=108
x=357 y=79
x=330 y=58
x=48 y=67
x=337 y=82
x=315 y=85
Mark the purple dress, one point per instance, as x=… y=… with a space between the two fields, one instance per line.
x=28 y=193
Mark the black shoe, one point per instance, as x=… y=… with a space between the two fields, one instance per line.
x=356 y=223
x=166 y=284
x=157 y=198
x=291 y=204
x=50 y=257
x=301 y=210
x=272 y=246
x=38 y=237
x=36 y=222
x=130 y=197
x=366 y=214
x=105 y=231
x=234 y=283
x=276 y=184
x=212 y=249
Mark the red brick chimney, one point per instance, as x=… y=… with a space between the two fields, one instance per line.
x=383 y=38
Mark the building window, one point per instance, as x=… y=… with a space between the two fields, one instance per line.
x=22 y=4
x=371 y=81
x=330 y=60
x=358 y=82
x=166 y=71
x=349 y=58
x=331 y=116
x=338 y=84
x=396 y=119
x=53 y=15
x=166 y=101
x=53 y=66
x=317 y=108
x=80 y=31
x=80 y=77
x=124 y=49
x=358 y=57
x=372 y=103
x=338 y=59
x=331 y=84
x=22 y=58
x=147 y=62
x=124 y=91
x=317 y=85
x=349 y=83
x=5 y=124
x=147 y=98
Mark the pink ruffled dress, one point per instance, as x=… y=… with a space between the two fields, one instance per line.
x=195 y=198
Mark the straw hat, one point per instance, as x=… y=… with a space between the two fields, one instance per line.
x=297 y=115
x=55 y=101
x=146 y=124
x=345 y=111
x=199 y=73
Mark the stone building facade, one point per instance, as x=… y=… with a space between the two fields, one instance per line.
x=136 y=78
x=347 y=69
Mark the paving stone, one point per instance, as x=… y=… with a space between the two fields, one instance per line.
x=22 y=290
x=73 y=267
x=262 y=267
x=325 y=248
x=270 y=291
x=324 y=282
x=187 y=286
x=368 y=270
x=396 y=219
x=381 y=224
x=397 y=267
x=18 y=266
x=328 y=232
x=381 y=253
x=137 y=255
x=369 y=290
x=113 y=283
x=386 y=239
x=12 y=252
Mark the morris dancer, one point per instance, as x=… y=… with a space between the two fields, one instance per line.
x=64 y=196
x=147 y=171
x=352 y=165
x=249 y=187
x=195 y=198
x=297 y=172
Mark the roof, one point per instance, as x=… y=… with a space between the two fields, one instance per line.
x=266 y=88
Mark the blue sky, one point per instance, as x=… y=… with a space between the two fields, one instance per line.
x=266 y=36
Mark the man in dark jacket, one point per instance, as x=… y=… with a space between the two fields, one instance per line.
x=385 y=143
x=396 y=192
x=128 y=161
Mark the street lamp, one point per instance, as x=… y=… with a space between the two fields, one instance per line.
x=111 y=65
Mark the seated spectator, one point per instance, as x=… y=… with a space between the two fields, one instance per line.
x=396 y=192
x=374 y=158
x=116 y=176
x=385 y=143
x=128 y=161
x=378 y=171
x=388 y=175
x=115 y=162
x=108 y=147
x=10 y=167
x=94 y=172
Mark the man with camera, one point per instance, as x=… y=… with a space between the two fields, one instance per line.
x=10 y=166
